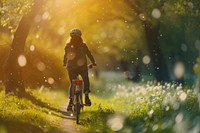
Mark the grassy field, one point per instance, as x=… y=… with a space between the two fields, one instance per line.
x=117 y=106
x=20 y=115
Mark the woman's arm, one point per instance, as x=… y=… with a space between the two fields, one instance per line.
x=90 y=56
x=65 y=57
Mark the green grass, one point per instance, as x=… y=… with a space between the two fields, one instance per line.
x=24 y=112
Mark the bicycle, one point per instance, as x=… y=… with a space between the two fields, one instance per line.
x=77 y=91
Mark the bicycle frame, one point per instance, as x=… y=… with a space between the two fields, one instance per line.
x=77 y=97
x=77 y=93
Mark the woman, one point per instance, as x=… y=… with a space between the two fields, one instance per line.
x=76 y=63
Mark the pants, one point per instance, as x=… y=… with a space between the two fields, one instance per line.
x=73 y=73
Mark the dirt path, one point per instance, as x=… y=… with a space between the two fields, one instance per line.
x=68 y=122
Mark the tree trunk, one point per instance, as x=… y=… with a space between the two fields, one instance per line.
x=12 y=71
x=159 y=64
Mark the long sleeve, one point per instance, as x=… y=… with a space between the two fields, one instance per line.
x=90 y=56
x=65 y=56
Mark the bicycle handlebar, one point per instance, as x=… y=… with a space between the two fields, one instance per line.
x=91 y=65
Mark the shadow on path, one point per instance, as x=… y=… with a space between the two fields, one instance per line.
x=21 y=127
x=39 y=103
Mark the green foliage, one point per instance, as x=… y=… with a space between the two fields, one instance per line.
x=143 y=108
x=189 y=7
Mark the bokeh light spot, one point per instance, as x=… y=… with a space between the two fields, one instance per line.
x=41 y=66
x=116 y=122
x=45 y=15
x=50 y=80
x=61 y=30
x=71 y=55
x=32 y=48
x=184 y=47
x=183 y=96
x=155 y=127
x=146 y=59
x=80 y=62
x=190 y=4
x=142 y=16
x=150 y=113
x=179 y=70
x=179 y=118
x=156 y=13
x=37 y=18
x=197 y=44
x=22 y=61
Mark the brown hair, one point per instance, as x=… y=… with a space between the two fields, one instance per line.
x=76 y=40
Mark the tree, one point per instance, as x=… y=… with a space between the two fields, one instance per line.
x=152 y=39
x=12 y=69
x=156 y=14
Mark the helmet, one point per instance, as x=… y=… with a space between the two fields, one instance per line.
x=75 y=32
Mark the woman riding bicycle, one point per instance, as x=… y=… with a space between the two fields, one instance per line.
x=76 y=63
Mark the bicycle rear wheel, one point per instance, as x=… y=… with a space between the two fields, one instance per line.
x=78 y=109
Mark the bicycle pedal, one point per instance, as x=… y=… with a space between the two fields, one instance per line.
x=87 y=104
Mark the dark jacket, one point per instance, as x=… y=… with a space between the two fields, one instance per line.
x=75 y=56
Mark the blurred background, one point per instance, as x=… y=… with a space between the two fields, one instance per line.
x=144 y=40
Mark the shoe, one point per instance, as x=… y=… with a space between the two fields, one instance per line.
x=87 y=101
x=69 y=108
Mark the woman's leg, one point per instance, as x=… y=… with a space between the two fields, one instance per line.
x=84 y=75
x=72 y=75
